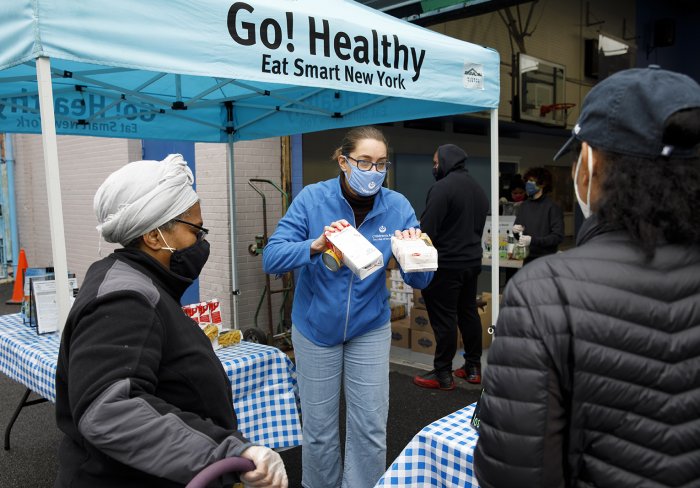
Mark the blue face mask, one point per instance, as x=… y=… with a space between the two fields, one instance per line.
x=365 y=183
x=531 y=188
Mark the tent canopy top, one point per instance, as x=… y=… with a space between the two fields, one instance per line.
x=215 y=71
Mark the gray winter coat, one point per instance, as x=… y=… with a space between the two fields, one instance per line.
x=594 y=375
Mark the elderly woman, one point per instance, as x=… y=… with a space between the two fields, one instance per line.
x=140 y=395
x=593 y=377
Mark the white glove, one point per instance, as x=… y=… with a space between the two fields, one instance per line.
x=524 y=240
x=518 y=229
x=269 y=468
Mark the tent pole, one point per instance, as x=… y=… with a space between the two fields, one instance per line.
x=53 y=187
x=235 y=324
x=495 y=236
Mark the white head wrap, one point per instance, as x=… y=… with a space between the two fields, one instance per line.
x=142 y=196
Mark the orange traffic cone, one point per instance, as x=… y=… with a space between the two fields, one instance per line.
x=18 y=290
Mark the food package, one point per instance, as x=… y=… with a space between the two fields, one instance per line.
x=415 y=255
x=359 y=254
x=212 y=332
x=230 y=337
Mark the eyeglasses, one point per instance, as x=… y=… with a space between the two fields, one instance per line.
x=201 y=231
x=364 y=165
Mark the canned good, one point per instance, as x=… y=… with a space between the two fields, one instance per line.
x=331 y=260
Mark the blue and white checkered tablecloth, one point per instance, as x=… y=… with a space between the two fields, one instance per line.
x=441 y=454
x=263 y=379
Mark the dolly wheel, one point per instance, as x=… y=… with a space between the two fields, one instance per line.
x=255 y=335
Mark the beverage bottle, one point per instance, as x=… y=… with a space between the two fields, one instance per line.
x=502 y=246
x=511 y=243
x=487 y=243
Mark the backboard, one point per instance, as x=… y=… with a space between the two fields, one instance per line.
x=540 y=91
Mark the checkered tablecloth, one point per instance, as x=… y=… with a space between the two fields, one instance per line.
x=442 y=455
x=263 y=379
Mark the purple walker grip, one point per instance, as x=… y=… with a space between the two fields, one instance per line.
x=223 y=466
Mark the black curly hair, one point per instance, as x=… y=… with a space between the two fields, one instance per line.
x=656 y=200
x=542 y=176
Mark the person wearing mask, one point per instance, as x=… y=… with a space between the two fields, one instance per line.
x=517 y=190
x=454 y=217
x=593 y=375
x=341 y=328
x=540 y=221
x=516 y=195
x=141 y=397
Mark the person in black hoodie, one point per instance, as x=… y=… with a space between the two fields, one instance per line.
x=454 y=217
x=141 y=397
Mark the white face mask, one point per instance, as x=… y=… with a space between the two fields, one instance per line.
x=167 y=246
x=585 y=207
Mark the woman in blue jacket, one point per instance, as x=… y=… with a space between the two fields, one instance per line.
x=341 y=329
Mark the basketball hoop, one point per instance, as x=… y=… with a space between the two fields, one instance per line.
x=545 y=109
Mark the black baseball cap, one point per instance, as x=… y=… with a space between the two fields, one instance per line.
x=626 y=112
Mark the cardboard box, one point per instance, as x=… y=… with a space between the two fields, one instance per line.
x=359 y=254
x=415 y=255
x=485 y=315
x=398 y=311
x=486 y=338
x=422 y=341
x=420 y=320
x=418 y=301
x=401 y=334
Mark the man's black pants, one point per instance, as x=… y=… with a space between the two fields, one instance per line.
x=451 y=302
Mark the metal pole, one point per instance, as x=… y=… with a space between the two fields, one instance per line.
x=232 y=235
x=10 y=162
x=495 y=237
x=53 y=188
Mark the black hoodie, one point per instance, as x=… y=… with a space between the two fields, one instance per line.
x=455 y=211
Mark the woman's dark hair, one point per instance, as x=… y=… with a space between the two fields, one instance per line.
x=353 y=136
x=656 y=200
x=542 y=176
x=516 y=181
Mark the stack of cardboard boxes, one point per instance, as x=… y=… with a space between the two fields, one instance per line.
x=414 y=331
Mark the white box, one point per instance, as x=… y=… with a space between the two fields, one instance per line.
x=415 y=255
x=359 y=254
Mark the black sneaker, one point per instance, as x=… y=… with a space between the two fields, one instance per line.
x=470 y=372
x=435 y=379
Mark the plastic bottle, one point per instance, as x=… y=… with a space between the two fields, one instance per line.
x=521 y=251
x=502 y=246
x=511 y=243
x=487 y=243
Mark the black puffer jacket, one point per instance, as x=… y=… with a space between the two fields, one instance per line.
x=594 y=375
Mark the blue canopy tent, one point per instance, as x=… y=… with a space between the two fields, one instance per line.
x=223 y=71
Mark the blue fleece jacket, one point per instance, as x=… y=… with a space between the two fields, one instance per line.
x=333 y=307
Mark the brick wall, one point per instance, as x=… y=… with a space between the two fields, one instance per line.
x=84 y=164
x=252 y=159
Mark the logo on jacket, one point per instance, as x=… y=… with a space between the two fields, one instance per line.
x=382 y=236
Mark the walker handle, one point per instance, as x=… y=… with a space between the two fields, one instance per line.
x=223 y=466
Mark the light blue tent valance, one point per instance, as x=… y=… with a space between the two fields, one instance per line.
x=196 y=70
x=221 y=71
